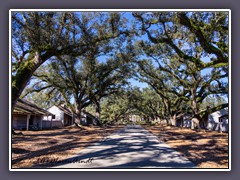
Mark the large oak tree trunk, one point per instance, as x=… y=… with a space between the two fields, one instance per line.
x=197 y=119
x=173 y=120
x=24 y=74
x=20 y=80
x=98 y=113
x=78 y=109
x=204 y=121
x=195 y=123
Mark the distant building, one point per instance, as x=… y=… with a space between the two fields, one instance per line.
x=66 y=117
x=218 y=120
x=185 y=121
x=88 y=118
x=134 y=118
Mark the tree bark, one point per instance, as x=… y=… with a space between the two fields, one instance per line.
x=20 y=80
x=204 y=121
x=24 y=74
x=173 y=120
x=98 y=114
x=195 y=123
x=78 y=110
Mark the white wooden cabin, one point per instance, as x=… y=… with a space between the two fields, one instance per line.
x=218 y=120
x=64 y=117
x=185 y=121
x=28 y=116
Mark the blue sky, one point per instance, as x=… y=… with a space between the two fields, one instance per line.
x=134 y=82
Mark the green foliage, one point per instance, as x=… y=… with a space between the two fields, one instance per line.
x=212 y=101
x=79 y=81
x=86 y=59
x=40 y=36
x=119 y=108
x=114 y=108
x=177 y=47
x=45 y=98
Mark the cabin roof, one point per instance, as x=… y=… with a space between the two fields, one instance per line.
x=224 y=116
x=65 y=110
x=89 y=114
x=68 y=112
x=26 y=107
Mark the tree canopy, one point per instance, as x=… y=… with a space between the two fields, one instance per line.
x=40 y=36
x=184 y=58
x=87 y=58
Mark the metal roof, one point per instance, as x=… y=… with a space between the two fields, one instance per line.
x=26 y=107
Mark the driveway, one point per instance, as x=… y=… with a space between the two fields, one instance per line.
x=131 y=147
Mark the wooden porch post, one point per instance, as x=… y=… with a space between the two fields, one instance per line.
x=51 y=121
x=28 y=117
x=41 y=124
x=72 y=118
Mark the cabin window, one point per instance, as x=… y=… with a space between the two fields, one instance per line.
x=222 y=118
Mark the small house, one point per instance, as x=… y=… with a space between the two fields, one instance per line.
x=184 y=121
x=28 y=116
x=218 y=120
x=66 y=118
x=62 y=115
x=134 y=118
x=88 y=118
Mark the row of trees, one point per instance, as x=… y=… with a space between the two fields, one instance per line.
x=82 y=58
x=119 y=107
x=144 y=103
x=184 y=59
x=78 y=82
x=57 y=55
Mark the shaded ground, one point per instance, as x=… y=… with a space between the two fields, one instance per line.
x=131 y=147
x=34 y=148
x=204 y=148
x=38 y=147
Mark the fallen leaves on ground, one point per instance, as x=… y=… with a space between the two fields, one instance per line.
x=207 y=149
x=35 y=148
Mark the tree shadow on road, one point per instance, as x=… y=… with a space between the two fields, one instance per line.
x=144 y=152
